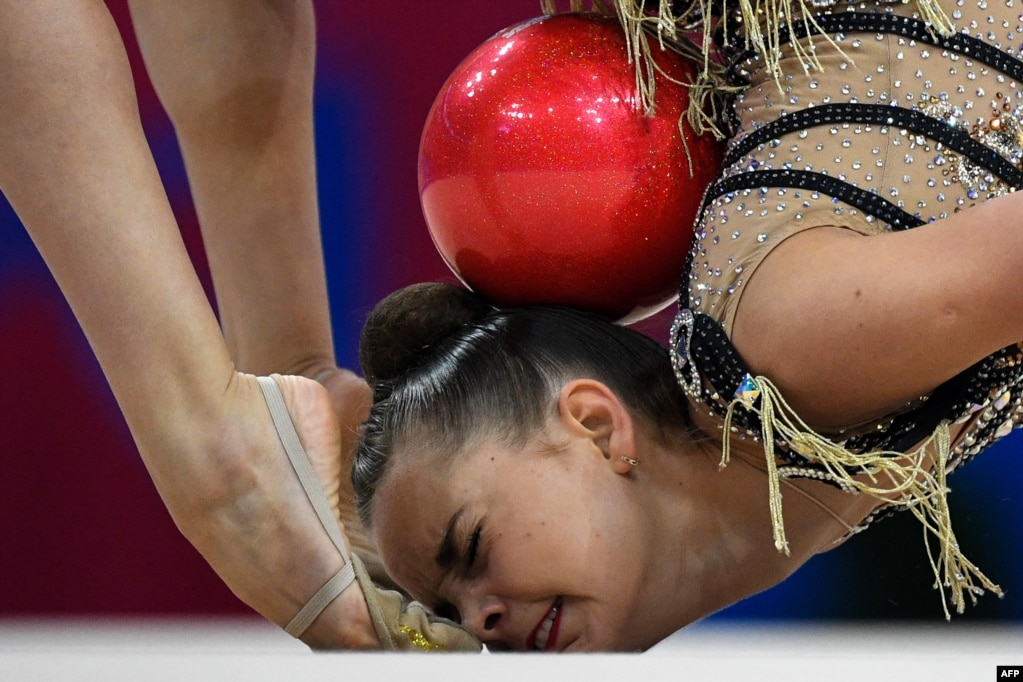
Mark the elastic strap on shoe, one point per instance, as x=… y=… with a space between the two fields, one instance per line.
x=311 y=485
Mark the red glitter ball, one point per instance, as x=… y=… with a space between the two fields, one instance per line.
x=542 y=181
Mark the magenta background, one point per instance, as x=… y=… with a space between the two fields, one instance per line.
x=82 y=530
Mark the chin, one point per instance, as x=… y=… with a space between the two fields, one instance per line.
x=635 y=643
x=609 y=643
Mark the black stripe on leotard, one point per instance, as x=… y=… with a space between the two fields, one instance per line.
x=908 y=27
x=868 y=202
x=952 y=137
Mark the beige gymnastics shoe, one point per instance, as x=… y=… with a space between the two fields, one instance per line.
x=400 y=624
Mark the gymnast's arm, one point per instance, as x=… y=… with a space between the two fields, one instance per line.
x=236 y=79
x=851 y=327
x=75 y=165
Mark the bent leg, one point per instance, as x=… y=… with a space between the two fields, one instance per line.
x=236 y=78
x=75 y=166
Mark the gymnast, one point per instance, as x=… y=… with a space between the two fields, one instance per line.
x=847 y=336
x=538 y=478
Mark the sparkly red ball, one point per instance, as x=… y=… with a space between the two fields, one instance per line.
x=542 y=180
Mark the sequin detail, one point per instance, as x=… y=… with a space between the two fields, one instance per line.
x=419 y=640
x=1002 y=134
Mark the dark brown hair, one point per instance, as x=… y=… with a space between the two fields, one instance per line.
x=446 y=369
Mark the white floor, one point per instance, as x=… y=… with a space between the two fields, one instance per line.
x=251 y=651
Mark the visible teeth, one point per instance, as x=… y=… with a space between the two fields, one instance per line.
x=544 y=633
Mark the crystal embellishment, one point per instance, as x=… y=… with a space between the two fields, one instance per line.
x=748 y=392
x=1002 y=133
x=681 y=356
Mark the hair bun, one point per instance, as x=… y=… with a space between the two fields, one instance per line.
x=410 y=320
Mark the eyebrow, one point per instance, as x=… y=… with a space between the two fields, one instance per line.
x=447 y=553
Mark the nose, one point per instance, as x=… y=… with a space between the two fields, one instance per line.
x=486 y=617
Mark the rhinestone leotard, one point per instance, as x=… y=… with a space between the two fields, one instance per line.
x=901 y=127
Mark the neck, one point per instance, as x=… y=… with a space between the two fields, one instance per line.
x=718 y=520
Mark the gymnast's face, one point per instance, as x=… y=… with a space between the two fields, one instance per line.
x=541 y=548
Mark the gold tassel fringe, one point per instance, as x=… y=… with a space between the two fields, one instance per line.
x=901 y=478
x=756 y=24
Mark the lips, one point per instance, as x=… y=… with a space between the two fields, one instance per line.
x=545 y=636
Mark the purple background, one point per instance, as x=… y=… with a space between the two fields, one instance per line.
x=82 y=531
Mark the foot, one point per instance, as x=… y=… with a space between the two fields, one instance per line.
x=254 y=523
x=351 y=397
x=327 y=424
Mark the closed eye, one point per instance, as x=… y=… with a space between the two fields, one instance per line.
x=472 y=550
x=446 y=609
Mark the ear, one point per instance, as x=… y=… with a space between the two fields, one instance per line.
x=588 y=408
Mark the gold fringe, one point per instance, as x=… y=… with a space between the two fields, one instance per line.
x=757 y=24
x=599 y=6
x=894 y=477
